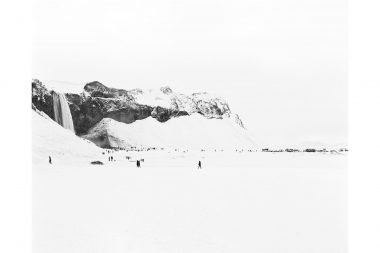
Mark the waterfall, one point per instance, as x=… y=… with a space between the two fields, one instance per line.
x=62 y=114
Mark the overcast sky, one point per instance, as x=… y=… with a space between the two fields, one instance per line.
x=280 y=63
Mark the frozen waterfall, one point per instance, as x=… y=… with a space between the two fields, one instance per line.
x=62 y=114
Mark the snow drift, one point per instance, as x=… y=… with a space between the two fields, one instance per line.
x=51 y=139
x=191 y=132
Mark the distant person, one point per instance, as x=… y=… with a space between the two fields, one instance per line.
x=49 y=159
x=199 y=165
x=138 y=163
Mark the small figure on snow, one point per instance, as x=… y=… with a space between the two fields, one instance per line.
x=49 y=159
x=199 y=165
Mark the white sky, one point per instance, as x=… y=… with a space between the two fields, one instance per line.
x=281 y=64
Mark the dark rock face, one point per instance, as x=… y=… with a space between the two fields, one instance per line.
x=87 y=111
x=130 y=114
x=99 y=101
x=164 y=114
x=42 y=99
x=96 y=89
x=166 y=90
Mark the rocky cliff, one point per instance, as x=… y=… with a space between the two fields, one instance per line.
x=98 y=101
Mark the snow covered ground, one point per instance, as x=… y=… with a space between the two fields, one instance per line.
x=238 y=202
x=120 y=208
x=51 y=139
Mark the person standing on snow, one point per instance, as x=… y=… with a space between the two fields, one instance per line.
x=199 y=165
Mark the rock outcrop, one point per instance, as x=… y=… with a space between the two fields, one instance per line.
x=42 y=98
x=98 y=101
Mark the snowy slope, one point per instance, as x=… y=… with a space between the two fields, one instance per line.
x=51 y=139
x=192 y=132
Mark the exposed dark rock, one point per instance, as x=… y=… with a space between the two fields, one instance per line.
x=87 y=111
x=99 y=101
x=42 y=99
x=164 y=114
x=97 y=89
x=130 y=114
x=166 y=90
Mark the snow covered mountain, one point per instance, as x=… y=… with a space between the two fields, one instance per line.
x=122 y=118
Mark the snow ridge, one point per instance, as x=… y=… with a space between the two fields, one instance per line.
x=194 y=132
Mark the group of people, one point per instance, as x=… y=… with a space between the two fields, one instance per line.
x=138 y=162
